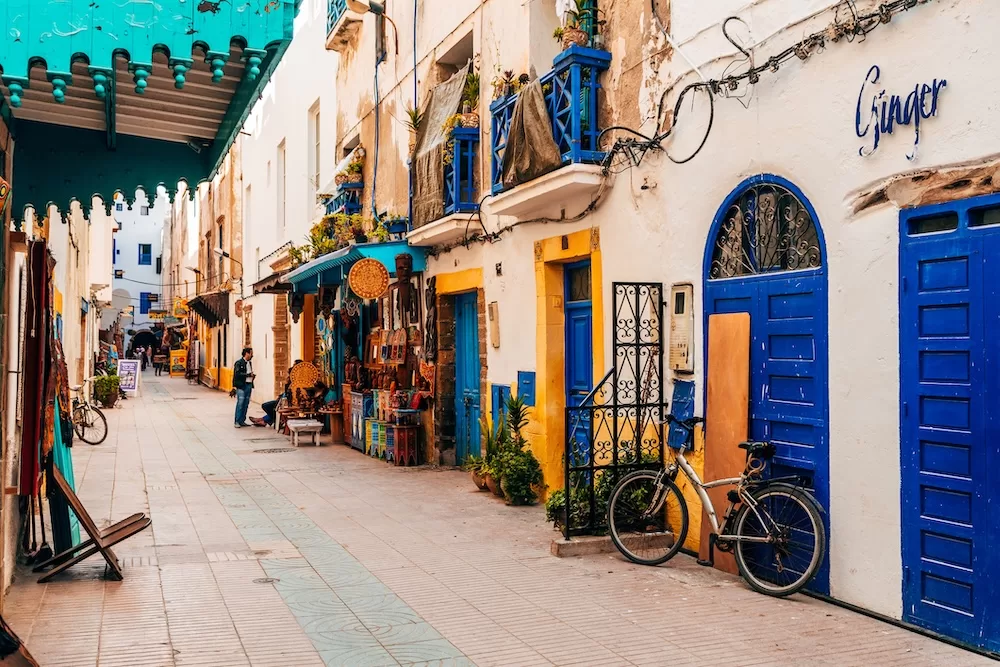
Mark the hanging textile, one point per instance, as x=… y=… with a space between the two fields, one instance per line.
x=33 y=368
x=531 y=151
x=428 y=169
x=65 y=525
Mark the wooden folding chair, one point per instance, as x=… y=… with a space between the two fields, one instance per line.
x=100 y=540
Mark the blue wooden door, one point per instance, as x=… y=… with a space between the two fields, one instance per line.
x=467 y=409
x=579 y=355
x=950 y=426
x=788 y=371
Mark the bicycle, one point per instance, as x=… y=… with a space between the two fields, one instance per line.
x=773 y=527
x=89 y=422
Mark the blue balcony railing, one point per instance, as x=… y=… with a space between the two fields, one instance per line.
x=460 y=175
x=347 y=199
x=571 y=99
x=334 y=10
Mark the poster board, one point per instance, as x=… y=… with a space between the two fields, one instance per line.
x=128 y=375
x=178 y=363
x=727 y=414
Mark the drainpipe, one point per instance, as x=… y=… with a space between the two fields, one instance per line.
x=410 y=213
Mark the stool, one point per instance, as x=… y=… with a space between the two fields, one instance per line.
x=299 y=426
x=404 y=444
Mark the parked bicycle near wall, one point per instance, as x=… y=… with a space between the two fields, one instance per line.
x=89 y=423
x=773 y=527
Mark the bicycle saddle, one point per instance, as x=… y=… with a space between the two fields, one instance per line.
x=76 y=387
x=760 y=450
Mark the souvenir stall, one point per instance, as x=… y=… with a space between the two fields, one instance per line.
x=368 y=340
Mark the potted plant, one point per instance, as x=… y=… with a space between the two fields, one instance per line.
x=521 y=474
x=397 y=224
x=352 y=173
x=453 y=121
x=106 y=390
x=474 y=464
x=380 y=233
x=503 y=85
x=491 y=469
x=572 y=32
x=414 y=119
x=470 y=100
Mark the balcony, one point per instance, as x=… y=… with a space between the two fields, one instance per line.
x=346 y=199
x=571 y=94
x=341 y=25
x=461 y=191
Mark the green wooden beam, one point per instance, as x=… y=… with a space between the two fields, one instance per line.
x=58 y=165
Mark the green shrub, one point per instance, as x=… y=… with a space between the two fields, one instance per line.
x=106 y=389
x=521 y=475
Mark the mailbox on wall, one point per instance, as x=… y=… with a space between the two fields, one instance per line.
x=526 y=386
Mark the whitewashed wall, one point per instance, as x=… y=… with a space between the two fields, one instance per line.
x=135 y=229
x=800 y=124
x=304 y=77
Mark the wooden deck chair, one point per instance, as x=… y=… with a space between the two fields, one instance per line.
x=100 y=540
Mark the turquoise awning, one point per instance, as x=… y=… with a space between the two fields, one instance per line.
x=332 y=269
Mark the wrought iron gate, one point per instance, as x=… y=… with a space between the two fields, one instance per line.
x=618 y=428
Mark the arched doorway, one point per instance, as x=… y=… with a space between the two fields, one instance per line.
x=765 y=256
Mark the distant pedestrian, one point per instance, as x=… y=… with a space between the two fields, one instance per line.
x=243 y=377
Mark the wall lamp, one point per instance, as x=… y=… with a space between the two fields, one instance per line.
x=377 y=8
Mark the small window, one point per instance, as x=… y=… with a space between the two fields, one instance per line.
x=679 y=299
x=114 y=252
x=145 y=254
x=578 y=283
x=143 y=210
x=984 y=217
x=159 y=265
x=119 y=207
x=932 y=224
x=145 y=302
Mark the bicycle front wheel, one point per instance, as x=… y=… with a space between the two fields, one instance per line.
x=648 y=521
x=90 y=424
x=790 y=540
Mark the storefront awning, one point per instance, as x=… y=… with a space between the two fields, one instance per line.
x=272 y=284
x=332 y=269
x=212 y=307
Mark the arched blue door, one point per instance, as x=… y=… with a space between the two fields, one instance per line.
x=765 y=257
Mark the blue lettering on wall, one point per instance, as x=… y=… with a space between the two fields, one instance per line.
x=886 y=112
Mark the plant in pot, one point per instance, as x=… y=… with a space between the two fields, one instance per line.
x=414 y=119
x=503 y=84
x=492 y=468
x=106 y=390
x=470 y=100
x=352 y=173
x=380 y=233
x=453 y=121
x=521 y=474
x=474 y=465
x=572 y=31
x=396 y=224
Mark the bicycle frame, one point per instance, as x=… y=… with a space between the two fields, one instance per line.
x=701 y=488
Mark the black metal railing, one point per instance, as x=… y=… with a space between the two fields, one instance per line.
x=619 y=426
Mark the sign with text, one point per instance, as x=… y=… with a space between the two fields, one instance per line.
x=128 y=375
x=178 y=363
x=879 y=113
x=158 y=314
x=119 y=274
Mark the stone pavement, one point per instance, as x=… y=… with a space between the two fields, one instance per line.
x=268 y=556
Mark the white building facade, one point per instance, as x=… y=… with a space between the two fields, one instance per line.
x=137 y=257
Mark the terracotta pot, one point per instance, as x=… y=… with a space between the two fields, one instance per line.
x=109 y=401
x=340 y=179
x=479 y=481
x=470 y=120
x=576 y=36
x=493 y=485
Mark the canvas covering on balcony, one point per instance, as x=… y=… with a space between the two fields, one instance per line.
x=428 y=186
x=531 y=151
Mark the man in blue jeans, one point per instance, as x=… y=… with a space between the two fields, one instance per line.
x=243 y=383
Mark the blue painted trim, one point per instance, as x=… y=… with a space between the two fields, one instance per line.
x=461 y=195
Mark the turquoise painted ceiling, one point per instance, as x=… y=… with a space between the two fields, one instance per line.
x=182 y=72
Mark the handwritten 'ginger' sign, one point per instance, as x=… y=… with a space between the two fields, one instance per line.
x=880 y=113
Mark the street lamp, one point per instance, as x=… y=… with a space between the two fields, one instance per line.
x=376 y=7
x=222 y=253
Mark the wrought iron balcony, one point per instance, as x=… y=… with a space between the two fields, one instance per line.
x=461 y=194
x=341 y=25
x=571 y=90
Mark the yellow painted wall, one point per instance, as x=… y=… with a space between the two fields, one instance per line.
x=226 y=379
x=459 y=281
x=546 y=430
x=696 y=458
x=57 y=300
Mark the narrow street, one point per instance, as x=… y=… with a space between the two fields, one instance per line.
x=264 y=555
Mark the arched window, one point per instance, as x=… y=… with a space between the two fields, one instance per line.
x=765 y=229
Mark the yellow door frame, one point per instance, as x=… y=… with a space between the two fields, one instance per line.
x=547 y=429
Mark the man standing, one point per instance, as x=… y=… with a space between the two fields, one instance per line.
x=243 y=383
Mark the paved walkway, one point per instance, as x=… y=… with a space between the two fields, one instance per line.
x=321 y=556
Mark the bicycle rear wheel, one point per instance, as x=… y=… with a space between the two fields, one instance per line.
x=90 y=424
x=790 y=518
x=648 y=523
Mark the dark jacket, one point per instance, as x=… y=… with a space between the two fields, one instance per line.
x=240 y=370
